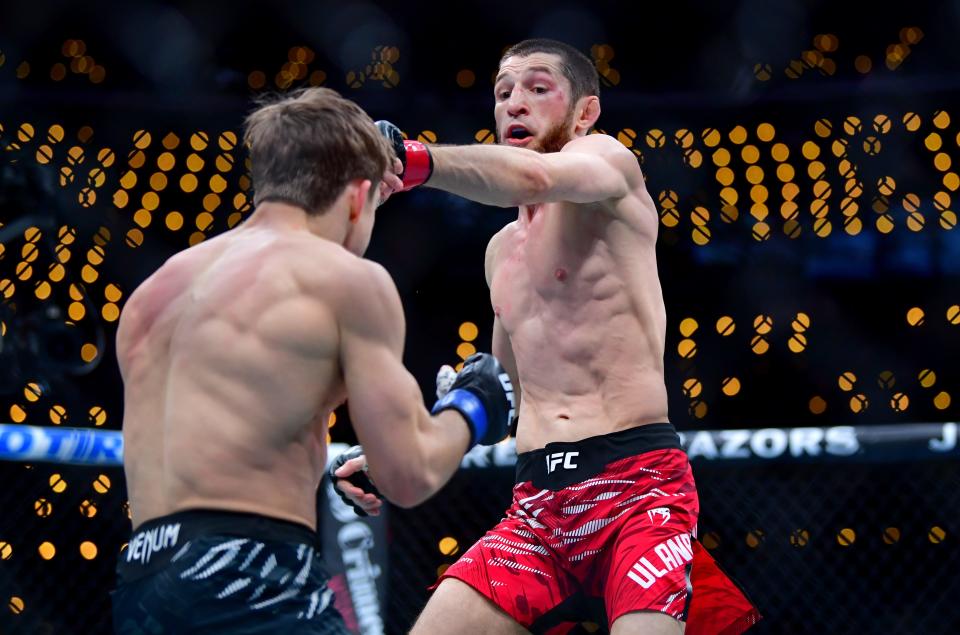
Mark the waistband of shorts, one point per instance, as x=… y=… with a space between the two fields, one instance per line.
x=564 y=463
x=155 y=543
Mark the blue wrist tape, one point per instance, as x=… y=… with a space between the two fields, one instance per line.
x=470 y=406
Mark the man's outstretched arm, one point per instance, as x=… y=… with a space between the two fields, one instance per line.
x=590 y=169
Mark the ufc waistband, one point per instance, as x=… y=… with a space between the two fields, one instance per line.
x=564 y=463
x=156 y=542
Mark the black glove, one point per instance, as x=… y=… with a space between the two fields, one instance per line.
x=415 y=157
x=360 y=479
x=483 y=394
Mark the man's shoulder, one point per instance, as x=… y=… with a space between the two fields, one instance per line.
x=598 y=143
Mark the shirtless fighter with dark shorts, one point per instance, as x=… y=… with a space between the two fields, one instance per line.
x=603 y=522
x=234 y=353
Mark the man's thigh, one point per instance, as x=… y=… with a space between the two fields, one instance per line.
x=456 y=607
x=647 y=623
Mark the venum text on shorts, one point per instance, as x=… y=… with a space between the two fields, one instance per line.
x=150 y=541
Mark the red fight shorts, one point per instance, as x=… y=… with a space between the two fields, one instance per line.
x=599 y=528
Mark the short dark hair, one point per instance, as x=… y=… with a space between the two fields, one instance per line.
x=576 y=67
x=306 y=146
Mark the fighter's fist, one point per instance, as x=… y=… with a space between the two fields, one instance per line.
x=445 y=378
x=414 y=156
x=483 y=394
x=351 y=482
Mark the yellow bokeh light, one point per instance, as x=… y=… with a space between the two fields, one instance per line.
x=58 y=414
x=817 y=405
x=134 y=238
x=89 y=274
x=97 y=416
x=204 y=220
x=88 y=550
x=199 y=140
x=915 y=316
x=188 y=183
x=933 y=142
x=142 y=139
x=468 y=331
x=780 y=152
x=465 y=350
x=785 y=172
x=171 y=141
x=43 y=290
x=47 y=550
x=224 y=162
x=927 y=378
x=158 y=181
x=725 y=176
x=150 y=201
x=174 y=221
x=102 y=484
x=692 y=388
x=730 y=386
x=942 y=400
x=142 y=218
x=721 y=157
x=754 y=174
x=217 y=184
x=32 y=391
x=687 y=348
x=211 y=202
x=76 y=311
x=810 y=150
x=88 y=352
x=448 y=546
x=194 y=163
x=738 y=135
x=112 y=293
x=110 y=312
x=128 y=180
x=17 y=414
x=766 y=132
x=688 y=326
x=166 y=161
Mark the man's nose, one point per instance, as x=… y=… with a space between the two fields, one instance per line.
x=517 y=104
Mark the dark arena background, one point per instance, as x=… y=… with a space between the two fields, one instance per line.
x=804 y=159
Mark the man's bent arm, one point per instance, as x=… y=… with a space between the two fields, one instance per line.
x=589 y=169
x=411 y=454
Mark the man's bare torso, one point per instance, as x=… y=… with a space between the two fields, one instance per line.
x=577 y=290
x=230 y=372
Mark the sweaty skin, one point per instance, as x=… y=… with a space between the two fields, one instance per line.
x=578 y=303
x=580 y=318
x=234 y=353
x=222 y=354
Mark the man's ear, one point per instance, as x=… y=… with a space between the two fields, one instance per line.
x=358 y=196
x=589 y=112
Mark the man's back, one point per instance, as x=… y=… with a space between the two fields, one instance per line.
x=229 y=355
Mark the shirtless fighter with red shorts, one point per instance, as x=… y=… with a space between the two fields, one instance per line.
x=603 y=521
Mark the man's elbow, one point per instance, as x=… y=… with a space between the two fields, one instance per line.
x=536 y=183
